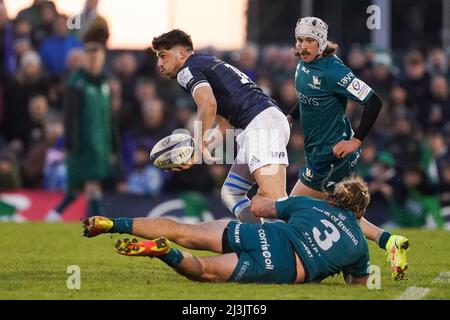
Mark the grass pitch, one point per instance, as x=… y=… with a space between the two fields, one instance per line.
x=34 y=258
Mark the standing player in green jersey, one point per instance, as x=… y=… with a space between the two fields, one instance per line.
x=321 y=238
x=332 y=148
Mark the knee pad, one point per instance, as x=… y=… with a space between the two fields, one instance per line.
x=234 y=193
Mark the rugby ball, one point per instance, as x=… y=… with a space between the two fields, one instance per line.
x=172 y=151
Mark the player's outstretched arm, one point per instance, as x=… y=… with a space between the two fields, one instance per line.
x=263 y=207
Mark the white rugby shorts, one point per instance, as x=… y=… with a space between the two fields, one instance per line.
x=264 y=140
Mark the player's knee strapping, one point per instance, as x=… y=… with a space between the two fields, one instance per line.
x=234 y=193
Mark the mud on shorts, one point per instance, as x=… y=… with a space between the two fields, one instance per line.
x=329 y=168
x=265 y=253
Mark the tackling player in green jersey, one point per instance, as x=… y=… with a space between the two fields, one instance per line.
x=321 y=238
x=332 y=148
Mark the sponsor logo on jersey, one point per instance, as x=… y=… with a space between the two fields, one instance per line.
x=305 y=69
x=307 y=100
x=307 y=174
x=359 y=89
x=237 y=238
x=184 y=76
x=254 y=160
x=265 y=249
x=242 y=271
x=346 y=80
x=278 y=154
x=315 y=83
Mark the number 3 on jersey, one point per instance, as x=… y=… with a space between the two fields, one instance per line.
x=244 y=78
x=329 y=238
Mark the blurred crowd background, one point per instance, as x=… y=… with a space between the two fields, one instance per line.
x=405 y=160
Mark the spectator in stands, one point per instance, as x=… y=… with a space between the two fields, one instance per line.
x=124 y=68
x=41 y=157
x=439 y=155
x=435 y=113
x=405 y=143
x=54 y=50
x=367 y=160
x=9 y=171
x=21 y=43
x=413 y=203
x=382 y=75
x=45 y=29
x=416 y=81
x=7 y=59
x=246 y=59
x=145 y=179
x=437 y=63
x=357 y=61
x=152 y=127
x=28 y=81
x=130 y=114
x=287 y=97
x=184 y=111
x=32 y=13
x=32 y=129
x=55 y=173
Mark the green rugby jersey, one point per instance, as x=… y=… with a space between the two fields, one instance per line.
x=323 y=87
x=326 y=238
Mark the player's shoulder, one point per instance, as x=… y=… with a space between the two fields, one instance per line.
x=336 y=72
x=200 y=60
x=333 y=63
x=305 y=201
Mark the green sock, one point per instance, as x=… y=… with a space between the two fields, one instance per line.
x=383 y=239
x=122 y=225
x=173 y=257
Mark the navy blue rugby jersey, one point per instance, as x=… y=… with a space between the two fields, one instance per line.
x=239 y=99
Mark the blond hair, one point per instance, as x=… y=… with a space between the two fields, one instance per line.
x=331 y=49
x=351 y=193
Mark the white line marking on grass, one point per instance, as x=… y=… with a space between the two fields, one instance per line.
x=443 y=277
x=413 y=293
x=417 y=293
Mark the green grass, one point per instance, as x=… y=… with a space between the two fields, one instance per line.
x=34 y=258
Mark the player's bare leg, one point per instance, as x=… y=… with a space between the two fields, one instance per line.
x=205 y=269
x=271 y=180
x=302 y=190
x=202 y=236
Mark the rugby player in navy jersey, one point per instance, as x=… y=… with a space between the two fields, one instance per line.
x=226 y=96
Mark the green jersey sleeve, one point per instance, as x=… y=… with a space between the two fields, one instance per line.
x=284 y=207
x=359 y=268
x=341 y=81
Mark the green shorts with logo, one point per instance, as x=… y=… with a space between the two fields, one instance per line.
x=265 y=253
x=328 y=168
